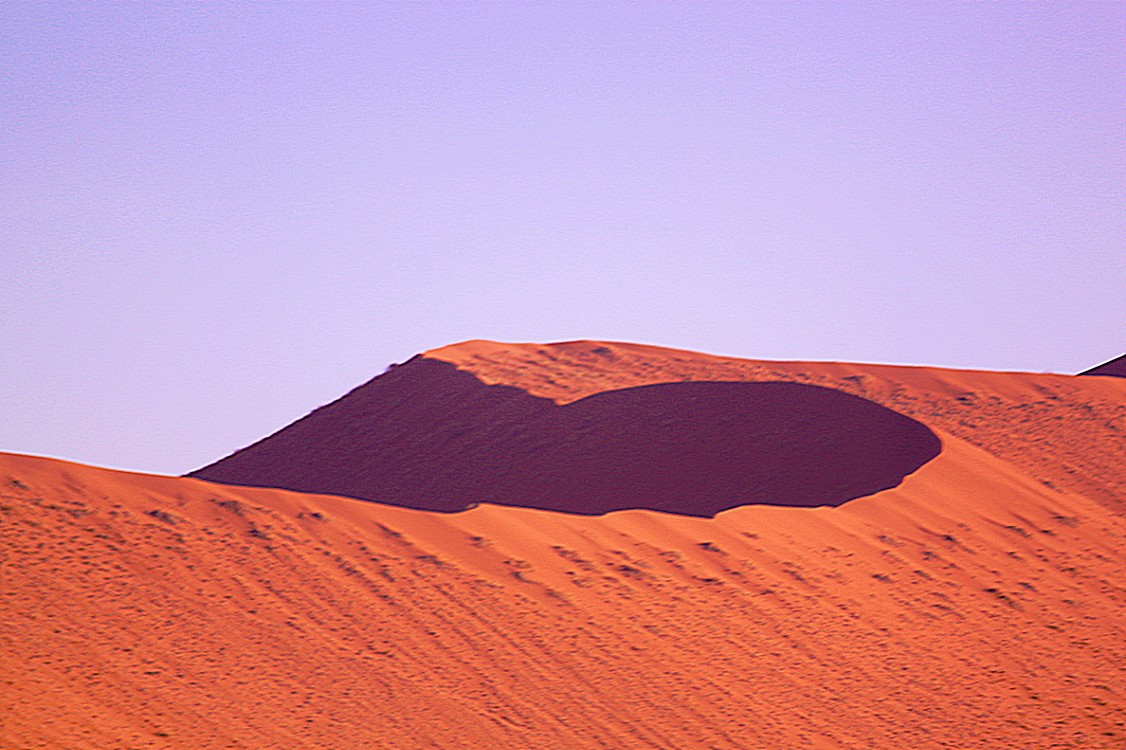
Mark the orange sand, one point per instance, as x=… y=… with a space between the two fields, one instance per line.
x=978 y=604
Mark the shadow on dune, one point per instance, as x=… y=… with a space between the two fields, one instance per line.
x=427 y=435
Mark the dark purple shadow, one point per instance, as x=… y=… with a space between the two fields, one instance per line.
x=427 y=435
x=1115 y=368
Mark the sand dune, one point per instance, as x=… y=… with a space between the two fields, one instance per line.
x=978 y=603
x=1057 y=428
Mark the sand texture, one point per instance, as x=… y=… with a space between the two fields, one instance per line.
x=976 y=603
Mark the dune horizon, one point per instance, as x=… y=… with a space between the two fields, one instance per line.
x=965 y=594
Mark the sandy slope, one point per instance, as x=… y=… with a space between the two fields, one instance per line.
x=978 y=604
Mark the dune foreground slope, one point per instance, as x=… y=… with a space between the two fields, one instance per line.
x=977 y=602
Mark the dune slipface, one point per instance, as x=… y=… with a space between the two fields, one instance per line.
x=427 y=435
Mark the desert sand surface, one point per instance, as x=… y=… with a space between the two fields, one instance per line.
x=977 y=603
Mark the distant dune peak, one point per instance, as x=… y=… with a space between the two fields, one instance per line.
x=428 y=435
x=467 y=351
x=1114 y=368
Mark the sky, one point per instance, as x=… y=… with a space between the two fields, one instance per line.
x=219 y=216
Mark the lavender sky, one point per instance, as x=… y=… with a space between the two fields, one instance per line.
x=217 y=217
